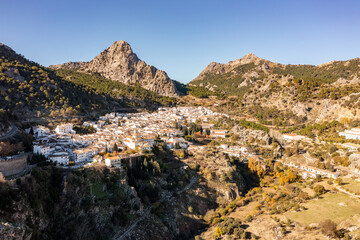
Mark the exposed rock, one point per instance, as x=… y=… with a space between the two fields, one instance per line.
x=245 y=134
x=343 y=81
x=248 y=58
x=70 y=65
x=220 y=68
x=11 y=73
x=120 y=63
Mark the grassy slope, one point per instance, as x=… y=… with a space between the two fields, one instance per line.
x=334 y=206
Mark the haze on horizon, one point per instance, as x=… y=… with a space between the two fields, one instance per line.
x=183 y=37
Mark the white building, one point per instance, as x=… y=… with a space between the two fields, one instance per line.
x=132 y=143
x=293 y=137
x=82 y=155
x=113 y=161
x=207 y=126
x=88 y=124
x=60 y=157
x=145 y=146
x=351 y=146
x=41 y=131
x=224 y=146
x=42 y=149
x=218 y=133
x=307 y=174
x=316 y=171
x=181 y=142
x=353 y=133
x=65 y=128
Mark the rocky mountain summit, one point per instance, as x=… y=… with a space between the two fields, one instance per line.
x=120 y=63
x=222 y=68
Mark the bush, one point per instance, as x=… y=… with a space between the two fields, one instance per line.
x=229 y=225
x=249 y=218
x=339 y=181
x=328 y=228
x=319 y=189
x=190 y=209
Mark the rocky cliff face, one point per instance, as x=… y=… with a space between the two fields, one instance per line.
x=120 y=63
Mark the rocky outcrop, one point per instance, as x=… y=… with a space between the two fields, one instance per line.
x=245 y=134
x=71 y=66
x=220 y=68
x=120 y=63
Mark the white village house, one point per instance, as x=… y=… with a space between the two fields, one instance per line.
x=221 y=133
x=293 y=137
x=41 y=131
x=60 y=157
x=42 y=149
x=65 y=128
x=353 y=133
x=113 y=161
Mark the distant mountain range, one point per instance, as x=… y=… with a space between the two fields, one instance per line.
x=117 y=78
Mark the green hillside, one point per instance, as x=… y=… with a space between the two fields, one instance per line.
x=29 y=90
x=310 y=81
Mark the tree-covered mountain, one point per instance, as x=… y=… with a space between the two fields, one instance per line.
x=324 y=92
x=29 y=90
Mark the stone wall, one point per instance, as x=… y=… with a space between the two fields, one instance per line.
x=14 y=165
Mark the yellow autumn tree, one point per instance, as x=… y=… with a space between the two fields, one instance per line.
x=218 y=232
x=259 y=170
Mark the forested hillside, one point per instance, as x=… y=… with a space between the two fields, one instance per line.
x=30 y=90
x=325 y=92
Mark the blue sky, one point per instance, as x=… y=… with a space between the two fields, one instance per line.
x=183 y=37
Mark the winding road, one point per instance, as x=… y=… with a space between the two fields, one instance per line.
x=10 y=134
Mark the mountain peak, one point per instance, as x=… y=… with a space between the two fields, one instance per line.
x=119 y=63
x=120 y=47
x=121 y=43
x=250 y=56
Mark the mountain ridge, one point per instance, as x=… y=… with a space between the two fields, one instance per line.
x=324 y=92
x=119 y=63
x=252 y=58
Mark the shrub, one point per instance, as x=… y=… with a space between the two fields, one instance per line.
x=190 y=209
x=229 y=225
x=249 y=218
x=339 y=181
x=328 y=228
x=319 y=189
